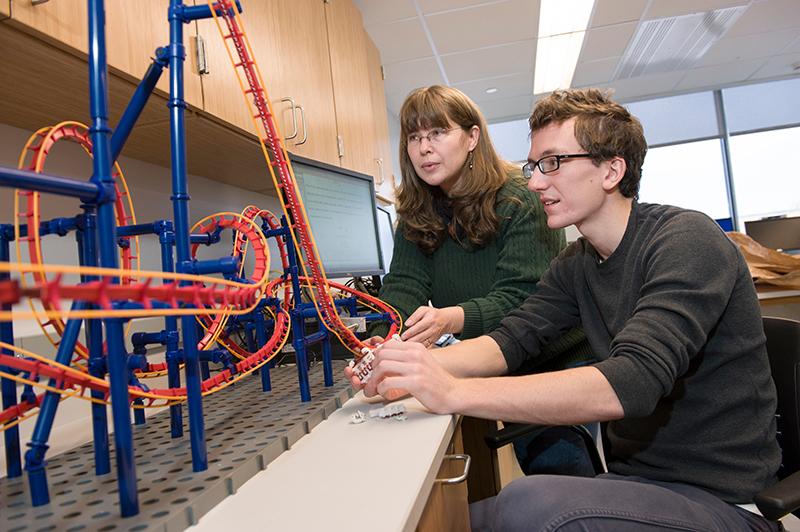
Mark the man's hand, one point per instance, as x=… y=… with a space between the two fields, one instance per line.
x=409 y=366
x=427 y=324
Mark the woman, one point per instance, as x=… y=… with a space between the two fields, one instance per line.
x=471 y=239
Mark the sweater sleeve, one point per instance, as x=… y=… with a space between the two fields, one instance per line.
x=685 y=290
x=544 y=317
x=407 y=286
x=526 y=247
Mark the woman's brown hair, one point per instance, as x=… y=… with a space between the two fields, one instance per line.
x=472 y=198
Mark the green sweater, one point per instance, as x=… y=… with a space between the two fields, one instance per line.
x=487 y=282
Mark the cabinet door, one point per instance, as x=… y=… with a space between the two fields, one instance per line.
x=351 y=86
x=447 y=509
x=384 y=176
x=64 y=21
x=133 y=32
x=290 y=46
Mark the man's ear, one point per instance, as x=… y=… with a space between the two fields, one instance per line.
x=615 y=173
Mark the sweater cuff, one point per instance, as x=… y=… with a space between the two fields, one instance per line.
x=473 y=322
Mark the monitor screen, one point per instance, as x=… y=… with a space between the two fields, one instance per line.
x=776 y=233
x=386 y=235
x=340 y=205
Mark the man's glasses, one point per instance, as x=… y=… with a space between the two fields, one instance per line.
x=549 y=164
x=434 y=136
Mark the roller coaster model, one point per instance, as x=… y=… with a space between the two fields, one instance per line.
x=112 y=290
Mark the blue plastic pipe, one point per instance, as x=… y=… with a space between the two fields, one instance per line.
x=180 y=206
x=166 y=239
x=25 y=179
x=9 y=387
x=34 y=457
x=136 y=104
x=115 y=339
x=87 y=246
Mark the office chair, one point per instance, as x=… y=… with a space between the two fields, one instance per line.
x=783 y=349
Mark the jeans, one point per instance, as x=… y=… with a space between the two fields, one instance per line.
x=554 y=451
x=609 y=502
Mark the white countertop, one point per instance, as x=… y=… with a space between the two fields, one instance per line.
x=376 y=475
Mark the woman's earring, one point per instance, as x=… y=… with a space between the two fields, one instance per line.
x=471 y=158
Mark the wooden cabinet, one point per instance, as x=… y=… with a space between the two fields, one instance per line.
x=351 y=86
x=384 y=177
x=319 y=68
x=289 y=41
x=133 y=32
x=322 y=74
x=447 y=508
x=65 y=21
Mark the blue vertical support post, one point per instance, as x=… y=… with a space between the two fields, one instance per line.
x=180 y=205
x=298 y=322
x=9 y=387
x=166 y=238
x=261 y=340
x=34 y=457
x=205 y=371
x=87 y=246
x=115 y=338
x=327 y=359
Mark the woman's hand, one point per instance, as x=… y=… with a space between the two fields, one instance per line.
x=427 y=324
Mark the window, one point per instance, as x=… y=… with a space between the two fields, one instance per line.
x=687 y=175
x=762 y=106
x=765 y=171
x=677 y=118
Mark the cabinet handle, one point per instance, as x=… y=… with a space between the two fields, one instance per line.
x=340 y=145
x=463 y=476
x=37 y=2
x=303 y=122
x=379 y=161
x=294 y=117
x=200 y=55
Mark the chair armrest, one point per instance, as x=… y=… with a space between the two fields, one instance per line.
x=781 y=498
x=512 y=431
x=509 y=433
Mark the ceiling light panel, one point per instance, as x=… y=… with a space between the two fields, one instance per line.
x=674 y=43
x=562 y=28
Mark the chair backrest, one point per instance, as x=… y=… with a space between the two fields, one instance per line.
x=783 y=347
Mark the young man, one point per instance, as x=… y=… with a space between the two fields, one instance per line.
x=668 y=305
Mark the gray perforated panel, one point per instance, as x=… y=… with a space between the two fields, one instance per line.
x=245 y=430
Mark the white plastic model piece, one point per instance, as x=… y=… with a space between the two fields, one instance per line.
x=397 y=409
x=358 y=417
x=363 y=369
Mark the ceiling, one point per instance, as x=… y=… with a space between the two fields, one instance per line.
x=478 y=44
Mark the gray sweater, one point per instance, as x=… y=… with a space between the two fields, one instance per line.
x=673 y=318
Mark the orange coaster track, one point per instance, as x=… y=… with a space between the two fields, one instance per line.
x=233 y=35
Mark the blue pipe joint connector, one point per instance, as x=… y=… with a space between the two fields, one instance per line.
x=137 y=361
x=189 y=13
x=162 y=56
x=28 y=395
x=106 y=193
x=98 y=366
x=176 y=356
x=225 y=265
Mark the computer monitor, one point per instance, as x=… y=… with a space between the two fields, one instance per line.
x=341 y=209
x=777 y=233
x=386 y=235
